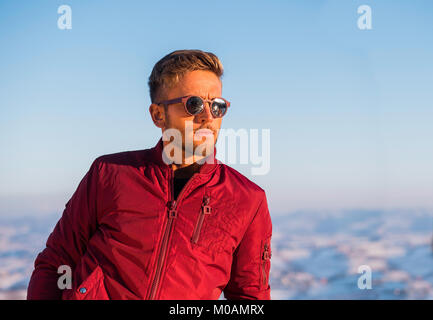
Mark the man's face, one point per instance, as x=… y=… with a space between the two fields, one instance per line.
x=204 y=84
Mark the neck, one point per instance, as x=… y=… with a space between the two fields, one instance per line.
x=186 y=171
x=189 y=160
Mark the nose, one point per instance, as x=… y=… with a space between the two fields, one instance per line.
x=206 y=115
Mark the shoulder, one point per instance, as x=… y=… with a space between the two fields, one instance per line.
x=241 y=183
x=121 y=160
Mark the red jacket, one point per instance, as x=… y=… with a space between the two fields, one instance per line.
x=124 y=236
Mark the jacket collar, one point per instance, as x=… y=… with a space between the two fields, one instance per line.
x=205 y=168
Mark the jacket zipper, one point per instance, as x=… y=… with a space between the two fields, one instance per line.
x=172 y=214
x=205 y=210
x=266 y=256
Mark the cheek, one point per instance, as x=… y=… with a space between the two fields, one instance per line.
x=178 y=122
x=187 y=121
x=217 y=123
x=174 y=119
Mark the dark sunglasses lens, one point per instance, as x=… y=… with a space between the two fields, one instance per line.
x=219 y=107
x=194 y=105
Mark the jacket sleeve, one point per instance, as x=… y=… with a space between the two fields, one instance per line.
x=249 y=278
x=68 y=241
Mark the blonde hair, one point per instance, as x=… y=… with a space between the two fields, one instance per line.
x=173 y=66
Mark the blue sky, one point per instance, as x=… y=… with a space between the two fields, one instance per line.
x=349 y=110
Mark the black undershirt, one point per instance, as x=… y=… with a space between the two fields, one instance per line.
x=182 y=176
x=179 y=183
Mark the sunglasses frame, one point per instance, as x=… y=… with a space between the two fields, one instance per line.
x=184 y=99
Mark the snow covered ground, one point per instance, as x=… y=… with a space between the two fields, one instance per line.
x=21 y=239
x=315 y=255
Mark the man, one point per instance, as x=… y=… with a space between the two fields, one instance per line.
x=170 y=222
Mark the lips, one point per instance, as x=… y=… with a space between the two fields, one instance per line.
x=203 y=132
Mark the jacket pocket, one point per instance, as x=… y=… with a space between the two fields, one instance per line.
x=91 y=288
x=215 y=228
x=204 y=211
x=265 y=262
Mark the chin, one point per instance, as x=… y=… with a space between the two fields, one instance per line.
x=204 y=146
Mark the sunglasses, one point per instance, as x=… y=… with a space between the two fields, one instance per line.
x=194 y=105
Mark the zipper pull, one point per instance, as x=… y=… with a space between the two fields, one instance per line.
x=172 y=212
x=205 y=207
x=266 y=254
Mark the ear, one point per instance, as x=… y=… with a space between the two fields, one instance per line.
x=157 y=113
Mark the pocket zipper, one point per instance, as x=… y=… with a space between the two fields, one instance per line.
x=205 y=210
x=265 y=257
